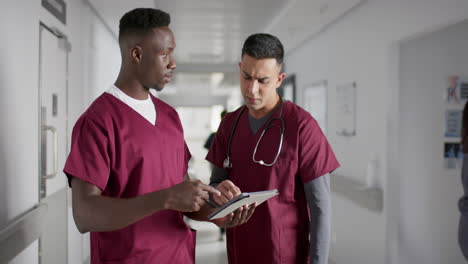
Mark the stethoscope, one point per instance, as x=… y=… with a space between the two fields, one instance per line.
x=227 y=164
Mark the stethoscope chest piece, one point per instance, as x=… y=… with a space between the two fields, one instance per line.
x=227 y=163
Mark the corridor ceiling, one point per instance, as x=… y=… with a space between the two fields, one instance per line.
x=210 y=33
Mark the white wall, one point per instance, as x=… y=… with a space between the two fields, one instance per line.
x=19 y=117
x=103 y=58
x=430 y=215
x=362 y=47
x=19 y=108
x=19 y=104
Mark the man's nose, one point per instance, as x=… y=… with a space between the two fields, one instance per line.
x=253 y=87
x=172 y=63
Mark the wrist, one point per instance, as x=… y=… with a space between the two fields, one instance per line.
x=164 y=200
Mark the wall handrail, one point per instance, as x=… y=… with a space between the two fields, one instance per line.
x=21 y=232
x=353 y=190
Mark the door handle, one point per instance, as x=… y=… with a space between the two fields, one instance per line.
x=55 y=152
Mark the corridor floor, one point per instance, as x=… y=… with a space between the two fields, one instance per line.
x=209 y=249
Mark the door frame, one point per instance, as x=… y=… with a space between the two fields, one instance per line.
x=60 y=36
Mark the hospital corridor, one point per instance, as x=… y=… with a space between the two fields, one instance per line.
x=233 y=131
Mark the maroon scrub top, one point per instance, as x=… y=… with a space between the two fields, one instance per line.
x=119 y=151
x=278 y=231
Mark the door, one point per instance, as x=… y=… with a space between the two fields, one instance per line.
x=53 y=60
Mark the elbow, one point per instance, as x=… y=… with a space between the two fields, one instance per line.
x=81 y=228
x=80 y=223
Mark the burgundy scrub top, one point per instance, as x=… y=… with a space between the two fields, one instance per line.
x=119 y=151
x=278 y=231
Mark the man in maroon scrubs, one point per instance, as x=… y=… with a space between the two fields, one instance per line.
x=270 y=143
x=128 y=157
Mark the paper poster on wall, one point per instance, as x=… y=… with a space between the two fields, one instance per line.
x=453 y=90
x=315 y=102
x=453 y=155
x=453 y=123
x=457 y=90
x=346 y=109
x=464 y=90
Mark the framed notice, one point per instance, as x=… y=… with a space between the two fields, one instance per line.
x=464 y=90
x=315 y=102
x=346 y=109
x=453 y=123
x=457 y=90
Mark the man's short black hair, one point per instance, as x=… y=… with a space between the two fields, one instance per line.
x=142 y=20
x=264 y=46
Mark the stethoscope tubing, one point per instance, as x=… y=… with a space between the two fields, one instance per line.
x=227 y=164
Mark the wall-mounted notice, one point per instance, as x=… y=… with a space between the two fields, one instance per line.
x=346 y=109
x=453 y=122
x=453 y=155
x=464 y=90
x=453 y=90
x=315 y=102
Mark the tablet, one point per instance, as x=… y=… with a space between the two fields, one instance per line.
x=247 y=198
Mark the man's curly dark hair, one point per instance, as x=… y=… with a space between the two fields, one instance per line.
x=142 y=20
x=264 y=46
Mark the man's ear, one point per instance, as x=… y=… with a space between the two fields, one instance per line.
x=281 y=77
x=135 y=54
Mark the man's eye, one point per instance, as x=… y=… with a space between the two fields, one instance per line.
x=247 y=77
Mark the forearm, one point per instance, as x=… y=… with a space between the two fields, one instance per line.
x=97 y=213
x=319 y=200
x=94 y=212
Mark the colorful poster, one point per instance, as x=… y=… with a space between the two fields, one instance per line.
x=453 y=90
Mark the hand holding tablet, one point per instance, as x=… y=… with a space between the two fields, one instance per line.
x=247 y=198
